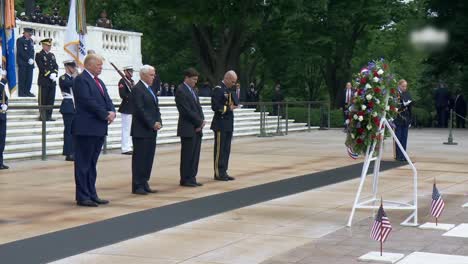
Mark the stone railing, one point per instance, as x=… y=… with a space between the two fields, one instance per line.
x=123 y=48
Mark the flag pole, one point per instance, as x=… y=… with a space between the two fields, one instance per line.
x=381 y=229
x=434 y=185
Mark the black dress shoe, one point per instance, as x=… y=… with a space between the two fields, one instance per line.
x=230 y=178
x=149 y=190
x=31 y=95
x=87 y=203
x=221 y=178
x=127 y=153
x=188 y=184
x=70 y=158
x=140 y=192
x=4 y=167
x=199 y=184
x=51 y=119
x=100 y=201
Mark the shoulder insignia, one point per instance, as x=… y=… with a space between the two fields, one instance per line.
x=217 y=86
x=121 y=86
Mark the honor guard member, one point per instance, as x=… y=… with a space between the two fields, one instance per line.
x=25 y=60
x=403 y=119
x=47 y=77
x=3 y=117
x=67 y=108
x=223 y=103
x=125 y=110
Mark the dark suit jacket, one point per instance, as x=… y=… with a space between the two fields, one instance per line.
x=91 y=107
x=343 y=101
x=24 y=52
x=190 y=112
x=145 y=112
x=66 y=85
x=442 y=97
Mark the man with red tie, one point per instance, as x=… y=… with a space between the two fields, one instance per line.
x=94 y=112
x=348 y=98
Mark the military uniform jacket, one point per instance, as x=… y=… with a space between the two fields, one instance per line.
x=126 y=106
x=221 y=99
x=24 y=52
x=47 y=65
x=66 y=86
x=2 y=93
x=404 y=112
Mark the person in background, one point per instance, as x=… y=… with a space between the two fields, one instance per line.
x=67 y=108
x=3 y=116
x=347 y=101
x=252 y=95
x=47 y=78
x=103 y=21
x=442 y=99
x=278 y=97
x=205 y=90
x=126 y=109
x=25 y=61
x=460 y=109
x=403 y=119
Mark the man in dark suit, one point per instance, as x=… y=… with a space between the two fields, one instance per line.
x=460 y=109
x=403 y=119
x=67 y=108
x=3 y=116
x=146 y=122
x=442 y=98
x=223 y=102
x=125 y=110
x=189 y=128
x=347 y=101
x=25 y=61
x=94 y=112
x=47 y=78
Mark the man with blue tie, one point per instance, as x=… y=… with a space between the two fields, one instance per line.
x=146 y=122
x=67 y=108
x=94 y=112
x=189 y=128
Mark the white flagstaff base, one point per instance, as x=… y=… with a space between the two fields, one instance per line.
x=459 y=231
x=374 y=256
x=465 y=205
x=432 y=258
x=439 y=226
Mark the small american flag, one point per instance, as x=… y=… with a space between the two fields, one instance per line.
x=437 y=205
x=382 y=227
x=351 y=153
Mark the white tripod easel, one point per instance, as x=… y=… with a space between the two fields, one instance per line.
x=374 y=202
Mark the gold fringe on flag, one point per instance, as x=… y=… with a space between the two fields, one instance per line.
x=81 y=17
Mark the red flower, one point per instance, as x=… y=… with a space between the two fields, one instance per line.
x=359 y=141
x=375 y=74
x=392 y=91
x=376 y=120
x=392 y=108
x=376 y=90
x=385 y=66
x=370 y=104
x=372 y=136
x=363 y=80
x=360 y=113
x=360 y=130
x=360 y=91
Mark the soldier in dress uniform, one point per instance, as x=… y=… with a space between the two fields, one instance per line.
x=223 y=102
x=67 y=108
x=3 y=116
x=103 y=21
x=403 y=119
x=47 y=77
x=25 y=60
x=125 y=110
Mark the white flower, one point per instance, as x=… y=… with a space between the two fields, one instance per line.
x=363 y=107
x=368 y=97
x=374 y=114
x=377 y=101
x=396 y=109
x=375 y=79
x=380 y=72
x=369 y=126
x=347 y=121
x=355 y=94
x=368 y=86
x=352 y=136
x=361 y=118
x=355 y=116
x=377 y=133
x=387 y=108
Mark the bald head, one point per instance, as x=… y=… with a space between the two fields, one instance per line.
x=93 y=63
x=230 y=78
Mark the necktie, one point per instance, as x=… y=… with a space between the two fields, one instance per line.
x=193 y=93
x=348 y=95
x=238 y=93
x=99 y=85
x=151 y=92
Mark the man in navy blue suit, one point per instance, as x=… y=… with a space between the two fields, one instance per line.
x=94 y=112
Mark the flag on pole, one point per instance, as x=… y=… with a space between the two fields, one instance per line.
x=7 y=35
x=382 y=227
x=75 y=34
x=437 y=205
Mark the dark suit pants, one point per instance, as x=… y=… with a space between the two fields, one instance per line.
x=87 y=150
x=460 y=121
x=222 y=150
x=189 y=158
x=142 y=161
x=47 y=97
x=67 y=135
x=401 y=132
x=25 y=76
x=3 y=124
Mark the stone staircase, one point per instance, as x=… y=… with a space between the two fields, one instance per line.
x=24 y=131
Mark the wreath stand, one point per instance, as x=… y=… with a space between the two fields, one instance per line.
x=374 y=202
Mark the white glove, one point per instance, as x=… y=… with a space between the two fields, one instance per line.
x=30 y=61
x=3 y=72
x=407 y=103
x=4 y=107
x=53 y=77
